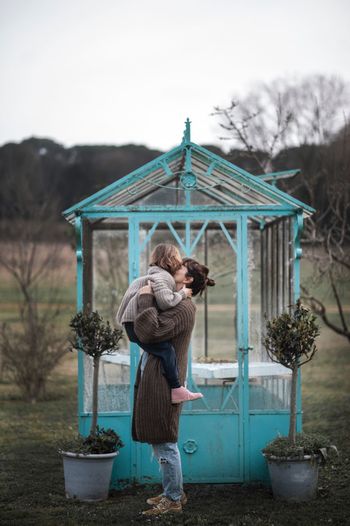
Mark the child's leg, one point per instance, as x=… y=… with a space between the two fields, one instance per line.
x=163 y=350
x=166 y=353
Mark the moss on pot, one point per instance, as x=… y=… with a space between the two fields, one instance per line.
x=305 y=444
x=101 y=442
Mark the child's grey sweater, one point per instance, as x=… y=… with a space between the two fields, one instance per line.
x=164 y=290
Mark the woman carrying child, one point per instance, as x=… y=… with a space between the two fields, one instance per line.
x=155 y=420
x=165 y=262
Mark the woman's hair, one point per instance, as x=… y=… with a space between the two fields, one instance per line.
x=167 y=257
x=199 y=273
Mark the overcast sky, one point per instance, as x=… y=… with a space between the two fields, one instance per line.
x=131 y=71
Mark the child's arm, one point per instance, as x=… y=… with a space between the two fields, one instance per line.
x=162 y=290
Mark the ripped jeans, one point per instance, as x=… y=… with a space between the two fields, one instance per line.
x=168 y=456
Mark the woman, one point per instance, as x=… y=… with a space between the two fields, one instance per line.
x=155 y=419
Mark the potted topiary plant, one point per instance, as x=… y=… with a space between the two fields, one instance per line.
x=293 y=460
x=88 y=461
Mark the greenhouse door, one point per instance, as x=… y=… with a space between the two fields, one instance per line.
x=211 y=438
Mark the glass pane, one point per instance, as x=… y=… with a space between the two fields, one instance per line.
x=174 y=194
x=171 y=194
x=201 y=198
x=269 y=382
x=110 y=270
x=110 y=280
x=219 y=304
x=214 y=344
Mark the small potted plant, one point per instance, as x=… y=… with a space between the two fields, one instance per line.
x=88 y=461
x=293 y=460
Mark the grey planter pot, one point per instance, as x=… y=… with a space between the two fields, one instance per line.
x=293 y=479
x=87 y=477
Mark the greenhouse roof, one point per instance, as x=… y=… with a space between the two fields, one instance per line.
x=186 y=177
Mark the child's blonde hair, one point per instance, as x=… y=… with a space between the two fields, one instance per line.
x=167 y=257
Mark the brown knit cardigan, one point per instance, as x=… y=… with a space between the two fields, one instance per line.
x=155 y=419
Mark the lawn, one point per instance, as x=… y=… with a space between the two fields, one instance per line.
x=32 y=489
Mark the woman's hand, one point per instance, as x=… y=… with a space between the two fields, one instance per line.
x=147 y=289
x=188 y=292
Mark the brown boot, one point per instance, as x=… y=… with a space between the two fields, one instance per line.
x=153 y=501
x=164 y=506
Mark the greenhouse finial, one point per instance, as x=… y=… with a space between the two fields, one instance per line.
x=187 y=133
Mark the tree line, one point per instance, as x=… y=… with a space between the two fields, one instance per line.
x=38 y=170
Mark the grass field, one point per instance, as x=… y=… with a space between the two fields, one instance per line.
x=31 y=473
x=32 y=490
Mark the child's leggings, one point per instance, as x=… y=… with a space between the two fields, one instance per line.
x=163 y=350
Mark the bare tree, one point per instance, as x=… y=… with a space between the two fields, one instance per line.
x=332 y=232
x=305 y=121
x=31 y=346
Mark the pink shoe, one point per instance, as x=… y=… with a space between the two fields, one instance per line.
x=181 y=394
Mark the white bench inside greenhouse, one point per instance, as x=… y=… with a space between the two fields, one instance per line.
x=214 y=370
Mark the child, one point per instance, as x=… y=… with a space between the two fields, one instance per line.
x=165 y=261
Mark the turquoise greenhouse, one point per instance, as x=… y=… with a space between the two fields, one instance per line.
x=248 y=232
